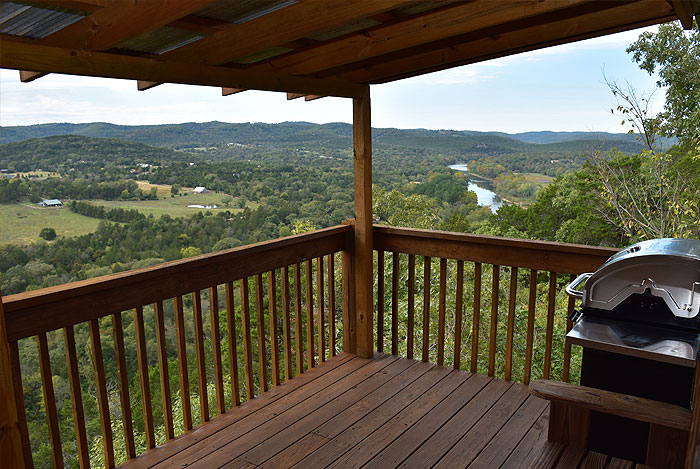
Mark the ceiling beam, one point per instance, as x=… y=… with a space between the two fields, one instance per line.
x=121 y=20
x=279 y=27
x=21 y=56
x=230 y=91
x=684 y=11
x=26 y=76
x=413 y=31
x=291 y=96
x=485 y=45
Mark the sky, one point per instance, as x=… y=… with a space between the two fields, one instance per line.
x=560 y=88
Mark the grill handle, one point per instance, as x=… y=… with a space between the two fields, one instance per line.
x=571 y=290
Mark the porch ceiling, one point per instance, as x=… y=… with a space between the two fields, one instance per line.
x=306 y=47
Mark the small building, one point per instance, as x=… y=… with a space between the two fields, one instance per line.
x=200 y=190
x=50 y=203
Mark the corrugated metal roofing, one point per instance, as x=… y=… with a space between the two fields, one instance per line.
x=34 y=22
x=160 y=40
x=240 y=11
x=262 y=55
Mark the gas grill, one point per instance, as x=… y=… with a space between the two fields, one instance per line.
x=639 y=328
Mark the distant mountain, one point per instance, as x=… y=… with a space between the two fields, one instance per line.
x=330 y=137
x=64 y=152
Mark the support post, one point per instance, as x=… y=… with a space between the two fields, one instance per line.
x=364 y=301
x=10 y=438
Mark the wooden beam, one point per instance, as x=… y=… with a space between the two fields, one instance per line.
x=10 y=437
x=27 y=76
x=291 y=96
x=22 y=56
x=230 y=91
x=143 y=85
x=410 y=32
x=312 y=97
x=279 y=27
x=684 y=11
x=506 y=40
x=364 y=278
x=120 y=20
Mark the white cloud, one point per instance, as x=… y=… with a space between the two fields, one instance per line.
x=467 y=75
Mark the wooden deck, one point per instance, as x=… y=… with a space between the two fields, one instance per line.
x=380 y=413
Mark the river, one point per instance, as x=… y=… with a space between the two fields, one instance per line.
x=485 y=197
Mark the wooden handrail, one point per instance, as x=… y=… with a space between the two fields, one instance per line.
x=538 y=255
x=85 y=300
x=613 y=403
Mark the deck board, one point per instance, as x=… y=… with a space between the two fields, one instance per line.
x=382 y=412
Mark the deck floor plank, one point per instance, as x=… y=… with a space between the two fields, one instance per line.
x=393 y=428
x=233 y=444
x=382 y=412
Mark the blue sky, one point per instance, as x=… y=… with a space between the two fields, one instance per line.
x=559 y=88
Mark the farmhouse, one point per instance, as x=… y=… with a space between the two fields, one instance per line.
x=50 y=203
x=200 y=190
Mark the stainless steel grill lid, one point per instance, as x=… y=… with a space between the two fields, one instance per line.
x=667 y=268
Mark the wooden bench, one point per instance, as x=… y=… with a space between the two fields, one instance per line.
x=571 y=406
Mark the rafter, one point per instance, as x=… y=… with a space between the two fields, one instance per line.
x=27 y=76
x=279 y=27
x=433 y=26
x=22 y=56
x=487 y=44
x=230 y=91
x=684 y=11
x=121 y=20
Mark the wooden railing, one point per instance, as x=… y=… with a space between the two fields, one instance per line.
x=521 y=336
x=295 y=293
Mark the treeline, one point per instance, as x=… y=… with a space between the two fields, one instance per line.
x=19 y=189
x=122 y=215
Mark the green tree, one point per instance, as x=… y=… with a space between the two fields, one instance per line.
x=190 y=251
x=675 y=55
x=175 y=189
x=49 y=234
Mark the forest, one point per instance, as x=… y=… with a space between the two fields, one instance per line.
x=610 y=193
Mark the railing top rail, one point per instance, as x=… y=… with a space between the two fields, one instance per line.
x=540 y=255
x=44 y=310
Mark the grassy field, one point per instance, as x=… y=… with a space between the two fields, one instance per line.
x=21 y=223
x=174 y=206
x=537 y=178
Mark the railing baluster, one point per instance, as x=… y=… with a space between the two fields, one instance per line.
x=163 y=369
x=380 y=301
x=426 y=307
x=182 y=364
x=19 y=403
x=260 y=319
x=287 y=333
x=309 y=314
x=441 y=312
x=349 y=318
x=142 y=360
x=530 y=326
x=476 y=317
x=411 y=304
x=458 y=315
x=232 y=346
x=496 y=272
x=199 y=352
x=321 y=313
x=551 y=300
x=274 y=339
x=123 y=381
x=511 y=321
x=102 y=397
x=331 y=305
x=247 y=344
x=76 y=397
x=395 y=304
x=49 y=400
x=567 y=345
x=297 y=320
x=216 y=346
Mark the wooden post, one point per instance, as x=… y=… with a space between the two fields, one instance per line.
x=364 y=301
x=10 y=439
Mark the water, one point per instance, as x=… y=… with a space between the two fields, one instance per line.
x=484 y=196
